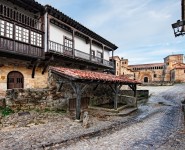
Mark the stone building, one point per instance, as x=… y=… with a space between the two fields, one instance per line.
x=21 y=44
x=33 y=37
x=172 y=70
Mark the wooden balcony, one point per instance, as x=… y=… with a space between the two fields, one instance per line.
x=19 y=39
x=20 y=48
x=8 y=13
x=77 y=54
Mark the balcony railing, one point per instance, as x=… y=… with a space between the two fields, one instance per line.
x=66 y=51
x=20 y=17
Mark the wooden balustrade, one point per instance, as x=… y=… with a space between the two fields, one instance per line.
x=67 y=51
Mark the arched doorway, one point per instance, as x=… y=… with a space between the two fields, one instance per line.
x=15 y=79
x=146 y=79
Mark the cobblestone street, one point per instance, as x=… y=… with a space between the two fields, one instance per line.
x=160 y=127
x=158 y=124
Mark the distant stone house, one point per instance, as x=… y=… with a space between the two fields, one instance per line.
x=172 y=70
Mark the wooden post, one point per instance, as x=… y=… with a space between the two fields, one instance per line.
x=103 y=51
x=78 y=101
x=135 y=93
x=78 y=89
x=112 y=54
x=90 y=49
x=134 y=88
x=73 y=39
x=116 y=97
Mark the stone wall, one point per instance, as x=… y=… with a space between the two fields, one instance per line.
x=101 y=95
x=2 y=102
x=8 y=65
x=140 y=93
x=159 y=83
x=52 y=99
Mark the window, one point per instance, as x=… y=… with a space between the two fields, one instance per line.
x=184 y=71
x=6 y=29
x=99 y=54
x=93 y=53
x=2 y=28
x=68 y=44
x=9 y=30
x=36 y=39
x=21 y=34
x=155 y=75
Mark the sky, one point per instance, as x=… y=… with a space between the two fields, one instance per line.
x=140 y=28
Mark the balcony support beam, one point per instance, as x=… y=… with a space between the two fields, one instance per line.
x=73 y=40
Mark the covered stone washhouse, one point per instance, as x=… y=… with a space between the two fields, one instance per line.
x=82 y=85
x=72 y=90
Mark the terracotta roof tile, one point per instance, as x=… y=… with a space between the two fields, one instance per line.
x=180 y=67
x=92 y=75
x=147 y=65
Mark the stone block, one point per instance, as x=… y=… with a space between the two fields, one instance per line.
x=85 y=120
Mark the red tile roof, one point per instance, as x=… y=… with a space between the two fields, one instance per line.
x=180 y=67
x=147 y=65
x=91 y=75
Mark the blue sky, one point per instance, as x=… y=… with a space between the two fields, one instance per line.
x=140 y=28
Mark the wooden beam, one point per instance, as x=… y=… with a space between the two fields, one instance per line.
x=47 y=64
x=73 y=46
x=90 y=49
x=116 y=96
x=33 y=70
x=78 y=101
x=134 y=88
x=96 y=87
x=34 y=67
x=78 y=89
x=60 y=86
x=112 y=88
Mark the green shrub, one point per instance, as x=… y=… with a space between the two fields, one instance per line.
x=7 y=111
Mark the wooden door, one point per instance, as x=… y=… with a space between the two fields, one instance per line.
x=15 y=80
x=84 y=103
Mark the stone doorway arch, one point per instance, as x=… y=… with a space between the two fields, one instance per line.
x=15 y=79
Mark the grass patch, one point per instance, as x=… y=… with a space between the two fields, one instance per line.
x=6 y=111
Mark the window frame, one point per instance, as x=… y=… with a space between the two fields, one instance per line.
x=36 y=39
x=93 y=53
x=22 y=34
x=101 y=54
x=68 y=43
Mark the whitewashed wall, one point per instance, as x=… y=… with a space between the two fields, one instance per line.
x=106 y=55
x=80 y=44
x=97 y=48
x=57 y=34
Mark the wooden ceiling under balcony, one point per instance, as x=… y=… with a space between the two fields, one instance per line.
x=30 y=5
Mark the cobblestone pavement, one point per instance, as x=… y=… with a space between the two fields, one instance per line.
x=160 y=128
x=156 y=125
